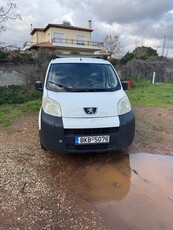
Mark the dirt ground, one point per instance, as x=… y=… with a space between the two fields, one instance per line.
x=154 y=130
x=36 y=186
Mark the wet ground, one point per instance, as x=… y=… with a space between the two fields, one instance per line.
x=100 y=191
x=133 y=192
x=44 y=190
x=130 y=192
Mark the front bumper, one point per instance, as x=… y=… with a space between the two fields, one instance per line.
x=54 y=137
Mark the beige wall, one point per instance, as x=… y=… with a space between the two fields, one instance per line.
x=40 y=36
x=71 y=34
x=48 y=35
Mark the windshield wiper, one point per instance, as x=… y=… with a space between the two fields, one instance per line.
x=83 y=89
x=90 y=90
x=61 y=86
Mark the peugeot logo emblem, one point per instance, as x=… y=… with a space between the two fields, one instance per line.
x=90 y=110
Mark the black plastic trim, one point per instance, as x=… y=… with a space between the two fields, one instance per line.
x=54 y=137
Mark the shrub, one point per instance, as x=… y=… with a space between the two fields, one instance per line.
x=3 y=56
x=16 y=94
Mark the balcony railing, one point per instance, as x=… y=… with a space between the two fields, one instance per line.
x=77 y=42
x=70 y=42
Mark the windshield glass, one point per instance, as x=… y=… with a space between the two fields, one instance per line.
x=82 y=77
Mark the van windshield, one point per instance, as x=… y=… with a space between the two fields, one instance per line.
x=78 y=77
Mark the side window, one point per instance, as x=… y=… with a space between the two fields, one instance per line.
x=111 y=80
x=52 y=73
x=112 y=77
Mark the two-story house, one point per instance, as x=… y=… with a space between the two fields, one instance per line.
x=64 y=38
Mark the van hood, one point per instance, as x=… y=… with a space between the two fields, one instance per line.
x=88 y=104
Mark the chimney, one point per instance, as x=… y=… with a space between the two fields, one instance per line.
x=89 y=24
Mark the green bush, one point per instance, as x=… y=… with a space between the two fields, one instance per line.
x=3 y=56
x=16 y=94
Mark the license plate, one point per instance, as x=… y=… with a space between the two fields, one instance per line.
x=92 y=139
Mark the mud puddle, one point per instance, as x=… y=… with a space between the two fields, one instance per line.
x=133 y=192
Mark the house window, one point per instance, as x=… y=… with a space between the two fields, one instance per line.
x=80 y=39
x=59 y=37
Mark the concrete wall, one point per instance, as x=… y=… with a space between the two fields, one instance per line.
x=11 y=78
x=24 y=74
x=18 y=74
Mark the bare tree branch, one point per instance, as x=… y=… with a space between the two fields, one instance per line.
x=8 y=13
x=113 y=45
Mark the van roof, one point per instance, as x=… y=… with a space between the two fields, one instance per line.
x=80 y=60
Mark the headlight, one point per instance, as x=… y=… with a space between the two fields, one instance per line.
x=51 y=107
x=124 y=106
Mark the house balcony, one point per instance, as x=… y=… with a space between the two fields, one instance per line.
x=77 y=44
x=66 y=44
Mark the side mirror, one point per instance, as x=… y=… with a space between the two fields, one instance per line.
x=124 y=84
x=38 y=86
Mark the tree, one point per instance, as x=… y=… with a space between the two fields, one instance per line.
x=127 y=57
x=113 y=45
x=3 y=56
x=144 y=52
x=8 y=12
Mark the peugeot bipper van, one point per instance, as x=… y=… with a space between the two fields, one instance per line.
x=84 y=107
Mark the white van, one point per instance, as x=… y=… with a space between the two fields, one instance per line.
x=84 y=107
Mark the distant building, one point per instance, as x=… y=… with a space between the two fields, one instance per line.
x=64 y=39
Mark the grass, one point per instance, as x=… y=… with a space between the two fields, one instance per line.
x=143 y=93
x=10 y=112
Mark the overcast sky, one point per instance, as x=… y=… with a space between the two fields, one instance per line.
x=136 y=22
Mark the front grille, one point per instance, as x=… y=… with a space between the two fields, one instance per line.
x=84 y=132
x=71 y=133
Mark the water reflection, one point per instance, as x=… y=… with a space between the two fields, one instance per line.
x=132 y=192
x=148 y=204
x=107 y=181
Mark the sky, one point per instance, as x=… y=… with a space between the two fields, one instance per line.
x=136 y=22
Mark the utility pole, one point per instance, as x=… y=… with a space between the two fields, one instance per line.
x=164 y=43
